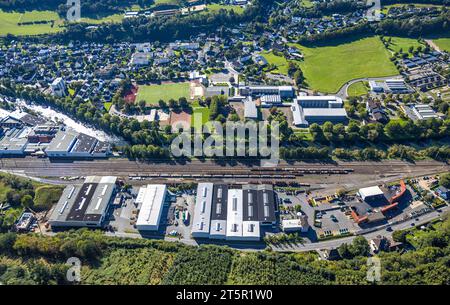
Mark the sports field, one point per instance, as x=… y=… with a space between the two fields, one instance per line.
x=153 y=93
x=327 y=68
x=9 y=23
x=357 y=89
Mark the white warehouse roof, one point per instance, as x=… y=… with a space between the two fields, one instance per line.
x=370 y=191
x=152 y=199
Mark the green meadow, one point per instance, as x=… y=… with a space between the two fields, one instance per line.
x=328 y=67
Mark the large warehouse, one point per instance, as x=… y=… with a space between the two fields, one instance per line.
x=84 y=205
x=151 y=198
x=228 y=213
x=371 y=193
x=202 y=212
x=318 y=109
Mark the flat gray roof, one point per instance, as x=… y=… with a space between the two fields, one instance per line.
x=324 y=112
x=62 y=142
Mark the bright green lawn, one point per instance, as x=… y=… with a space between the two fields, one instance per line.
x=204 y=111
x=9 y=23
x=279 y=61
x=153 y=93
x=403 y=43
x=357 y=89
x=327 y=68
x=443 y=43
x=107 y=105
x=307 y=3
x=216 y=7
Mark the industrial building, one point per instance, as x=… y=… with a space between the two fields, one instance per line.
x=423 y=112
x=283 y=92
x=295 y=225
x=14 y=141
x=371 y=193
x=202 y=212
x=151 y=199
x=250 y=109
x=70 y=144
x=317 y=109
x=84 y=205
x=234 y=213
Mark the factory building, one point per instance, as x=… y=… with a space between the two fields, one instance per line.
x=70 y=144
x=14 y=141
x=151 y=199
x=84 y=205
x=233 y=213
x=371 y=193
x=257 y=91
x=202 y=213
x=219 y=212
x=318 y=109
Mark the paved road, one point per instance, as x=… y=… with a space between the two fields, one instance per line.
x=332 y=244
x=342 y=93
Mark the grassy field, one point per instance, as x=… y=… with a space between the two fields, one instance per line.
x=307 y=3
x=216 y=7
x=443 y=43
x=385 y=8
x=153 y=93
x=9 y=23
x=403 y=43
x=110 y=18
x=358 y=89
x=279 y=61
x=196 y=110
x=327 y=68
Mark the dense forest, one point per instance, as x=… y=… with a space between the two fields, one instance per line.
x=37 y=259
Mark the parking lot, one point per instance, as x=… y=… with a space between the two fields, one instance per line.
x=330 y=216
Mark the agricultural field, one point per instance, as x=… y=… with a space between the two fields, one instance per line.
x=9 y=23
x=279 y=61
x=328 y=67
x=151 y=94
x=403 y=43
x=358 y=89
x=443 y=43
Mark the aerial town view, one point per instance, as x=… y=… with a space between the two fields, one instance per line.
x=224 y=142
